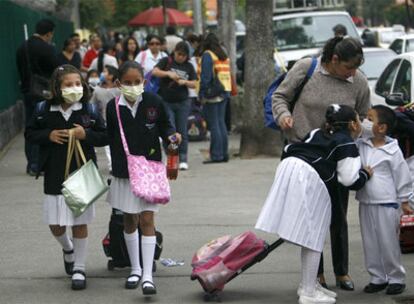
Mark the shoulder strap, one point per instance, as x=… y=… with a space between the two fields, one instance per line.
x=143 y=57
x=121 y=129
x=303 y=83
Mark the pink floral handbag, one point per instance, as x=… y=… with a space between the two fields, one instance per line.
x=148 y=179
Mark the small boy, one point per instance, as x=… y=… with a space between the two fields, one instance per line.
x=381 y=201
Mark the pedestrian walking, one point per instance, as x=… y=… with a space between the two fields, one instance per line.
x=152 y=55
x=144 y=120
x=215 y=87
x=36 y=60
x=106 y=56
x=92 y=52
x=130 y=50
x=69 y=55
x=177 y=75
x=49 y=127
x=382 y=201
x=336 y=77
x=298 y=206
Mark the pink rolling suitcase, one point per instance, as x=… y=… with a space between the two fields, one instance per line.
x=221 y=260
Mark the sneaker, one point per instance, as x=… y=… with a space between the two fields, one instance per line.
x=395 y=288
x=319 y=287
x=183 y=166
x=371 y=287
x=317 y=298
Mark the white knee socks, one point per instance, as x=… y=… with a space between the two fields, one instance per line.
x=310 y=264
x=80 y=246
x=148 y=248
x=132 y=244
x=67 y=245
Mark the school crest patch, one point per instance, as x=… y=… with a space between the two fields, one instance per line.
x=152 y=114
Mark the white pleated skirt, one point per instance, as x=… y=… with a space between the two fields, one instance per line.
x=298 y=206
x=120 y=197
x=56 y=212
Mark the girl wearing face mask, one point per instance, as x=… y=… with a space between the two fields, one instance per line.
x=144 y=120
x=49 y=128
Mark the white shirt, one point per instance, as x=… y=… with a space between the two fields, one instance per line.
x=133 y=108
x=172 y=41
x=66 y=114
x=391 y=180
x=147 y=60
x=107 y=60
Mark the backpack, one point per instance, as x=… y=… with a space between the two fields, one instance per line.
x=152 y=83
x=267 y=101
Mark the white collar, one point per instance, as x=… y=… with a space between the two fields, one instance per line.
x=73 y=107
x=325 y=72
x=133 y=108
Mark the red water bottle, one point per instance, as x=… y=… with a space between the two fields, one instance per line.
x=172 y=160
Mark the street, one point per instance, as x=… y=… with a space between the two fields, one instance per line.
x=208 y=201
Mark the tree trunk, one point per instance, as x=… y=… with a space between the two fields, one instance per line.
x=226 y=15
x=256 y=139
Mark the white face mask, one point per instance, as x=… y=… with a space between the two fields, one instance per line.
x=93 y=81
x=132 y=93
x=366 y=127
x=72 y=94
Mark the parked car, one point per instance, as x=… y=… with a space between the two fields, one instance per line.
x=396 y=79
x=403 y=44
x=375 y=61
x=386 y=35
x=299 y=35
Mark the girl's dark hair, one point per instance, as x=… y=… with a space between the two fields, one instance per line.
x=153 y=36
x=346 y=49
x=123 y=69
x=113 y=71
x=67 y=42
x=56 y=83
x=125 y=51
x=90 y=72
x=182 y=47
x=106 y=47
x=211 y=43
x=338 y=117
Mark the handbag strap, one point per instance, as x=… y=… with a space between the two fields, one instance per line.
x=74 y=147
x=121 y=129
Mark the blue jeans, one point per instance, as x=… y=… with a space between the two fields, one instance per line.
x=215 y=115
x=178 y=114
x=31 y=150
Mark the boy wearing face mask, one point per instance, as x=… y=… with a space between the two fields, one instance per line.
x=49 y=128
x=382 y=200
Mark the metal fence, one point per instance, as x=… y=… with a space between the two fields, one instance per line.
x=13 y=18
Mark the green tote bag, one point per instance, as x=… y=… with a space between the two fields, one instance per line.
x=85 y=185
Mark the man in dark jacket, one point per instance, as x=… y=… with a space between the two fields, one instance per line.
x=35 y=56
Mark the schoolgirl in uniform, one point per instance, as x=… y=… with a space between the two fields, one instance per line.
x=144 y=120
x=49 y=128
x=298 y=206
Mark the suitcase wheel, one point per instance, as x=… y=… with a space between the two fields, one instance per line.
x=110 y=265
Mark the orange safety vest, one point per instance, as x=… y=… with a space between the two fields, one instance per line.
x=221 y=69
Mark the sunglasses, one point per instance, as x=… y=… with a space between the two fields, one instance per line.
x=154 y=43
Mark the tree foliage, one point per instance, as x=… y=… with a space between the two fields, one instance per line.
x=94 y=13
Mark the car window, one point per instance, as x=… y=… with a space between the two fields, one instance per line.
x=375 y=63
x=386 y=79
x=403 y=81
x=309 y=31
x=397 y=46
x=409 y=45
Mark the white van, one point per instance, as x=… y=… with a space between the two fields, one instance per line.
x=299 y=35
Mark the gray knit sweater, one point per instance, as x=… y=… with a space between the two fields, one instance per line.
x=320 y=91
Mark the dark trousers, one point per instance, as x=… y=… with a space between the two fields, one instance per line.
x=31 y=150
x=339 y=232
x=228 y=115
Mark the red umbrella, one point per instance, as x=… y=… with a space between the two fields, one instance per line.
x=155 y=17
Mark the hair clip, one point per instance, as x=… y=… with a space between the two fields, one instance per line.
x=61 y=68
x=336 y=107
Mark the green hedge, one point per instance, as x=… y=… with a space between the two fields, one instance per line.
x=12 y=20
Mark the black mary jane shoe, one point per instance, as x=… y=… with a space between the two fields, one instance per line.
x=148 y=288
x=79 y=284
x=68 y=265
x=132 y=284
x=345 y=284
x=372 y=288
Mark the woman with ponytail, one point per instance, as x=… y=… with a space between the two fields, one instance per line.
x=105 y=57
x=336 y=77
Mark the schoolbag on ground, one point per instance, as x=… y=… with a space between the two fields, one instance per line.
x=267 y=101
x=196 y=124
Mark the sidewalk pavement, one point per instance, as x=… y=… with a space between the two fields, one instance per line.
x=208 y=201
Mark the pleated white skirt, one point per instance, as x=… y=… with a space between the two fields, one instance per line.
x=120 y=197
x=56 y=212
x=298 y=206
